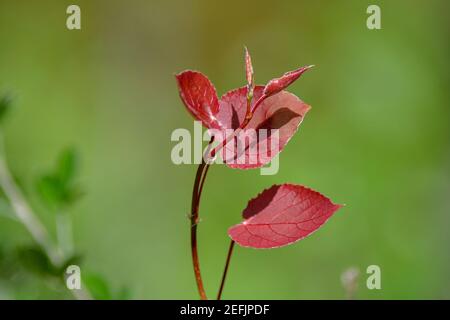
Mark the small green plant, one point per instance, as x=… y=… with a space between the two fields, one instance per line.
x=40 y=266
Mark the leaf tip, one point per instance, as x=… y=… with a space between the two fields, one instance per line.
x=248 y=67
x=278 y=84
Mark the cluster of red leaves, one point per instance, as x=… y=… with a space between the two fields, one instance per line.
x=282 y=214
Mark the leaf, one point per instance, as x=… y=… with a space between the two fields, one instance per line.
x=268 y=115
x=233 y=105
x=8 y=263
x=273 y=124
x=58 y=189
x=51 y=191
x=100 y=289
x=5 y=106
x=281 y=215
x=97 y=286
x=67 y=166
x=36 y=261
x=199 y=96
x=278 y=84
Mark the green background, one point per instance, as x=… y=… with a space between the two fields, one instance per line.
x=376 y=139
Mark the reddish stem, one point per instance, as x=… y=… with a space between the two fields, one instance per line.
x=200 y=178
x=196 y=195
x=225 y=271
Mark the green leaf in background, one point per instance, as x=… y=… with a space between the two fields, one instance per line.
x=8 y=266
x=97 y=286
x=58 y=189
x=36 y=261
x=68 y=163
x=100 y=290
x=5 y=106
x=51 y=191
x=3 y=258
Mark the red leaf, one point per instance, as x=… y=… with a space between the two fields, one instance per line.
x=281 y=83
x=280 y=114
x=281 y=215
x=269 y=115
x=233 y=106
x=199 y=96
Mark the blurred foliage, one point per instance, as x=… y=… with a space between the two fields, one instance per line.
x=5 y=102
x=100 y=289
x=58 y=188
x=35 y=260
x=26 y=272
x=377 y=139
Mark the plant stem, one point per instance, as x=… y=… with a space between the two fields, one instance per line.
x=225 y=271
x=64 y=233
x=196 y=195
x=26 y=216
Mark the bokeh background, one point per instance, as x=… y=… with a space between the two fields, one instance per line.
x=377 y=139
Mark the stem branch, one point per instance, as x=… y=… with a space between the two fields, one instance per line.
x=25 y=214
x=225 y=271
x=64 y=233
x=31 y=222
x=196 y=195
